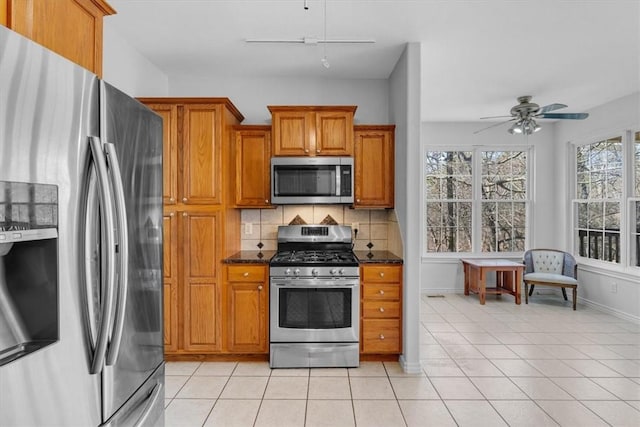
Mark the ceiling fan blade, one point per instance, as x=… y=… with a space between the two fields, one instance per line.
x=494 y=125
x=493 y=117
x=551 y=107
x=572 y=116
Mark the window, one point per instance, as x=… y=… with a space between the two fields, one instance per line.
x=476 y=201
x=635 y=203
x=599 y=191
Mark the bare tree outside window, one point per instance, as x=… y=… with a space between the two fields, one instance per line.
x=450 y=201
x=599 y=191
x=635 y=210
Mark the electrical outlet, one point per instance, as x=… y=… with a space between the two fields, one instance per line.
x=248 y=228
x=614 y=287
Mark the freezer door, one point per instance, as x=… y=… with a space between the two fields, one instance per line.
x=48 y=110
x=132 y=138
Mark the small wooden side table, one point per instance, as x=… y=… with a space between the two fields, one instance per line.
x=508 y=277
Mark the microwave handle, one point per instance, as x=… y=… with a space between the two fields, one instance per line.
x=337 y=182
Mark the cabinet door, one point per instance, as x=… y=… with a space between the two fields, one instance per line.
x=334 y=133
x=169 y=114
x=201 y=294
x=253 y=156
x=71 y=28
x=292 y=133
x=170 y=282
x=247 y=316
x=374 y=169
x=201 y=153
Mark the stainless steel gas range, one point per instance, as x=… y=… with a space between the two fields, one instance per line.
x=314 y=298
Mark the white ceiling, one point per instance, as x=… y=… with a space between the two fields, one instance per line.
x=477 y=55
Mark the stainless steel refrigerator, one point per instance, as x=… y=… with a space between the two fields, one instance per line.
x=81 y=341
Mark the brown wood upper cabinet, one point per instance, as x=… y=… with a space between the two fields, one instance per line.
x=312 y=130
x=374 y=166
x=252 y=151
x=71 y=28
x=194 y=133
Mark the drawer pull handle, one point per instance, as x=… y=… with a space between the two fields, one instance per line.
x=382 y=274
x=381 y=336
x=381 y=292
x=259 y=287
x=381 y=309
x=245 y=274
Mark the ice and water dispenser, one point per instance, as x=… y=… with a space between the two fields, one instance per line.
x=28 y=268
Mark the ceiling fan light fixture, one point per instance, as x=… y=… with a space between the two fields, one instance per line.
x=524 y=126
x=516 y=128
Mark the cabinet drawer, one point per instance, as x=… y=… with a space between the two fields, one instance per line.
x=381 y=336
x=245 y=273
x=380 y=309
x=382 y=274
x=377 y=291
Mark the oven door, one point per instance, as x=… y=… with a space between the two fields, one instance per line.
x=314 y=310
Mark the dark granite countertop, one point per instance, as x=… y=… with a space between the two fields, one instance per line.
x=250 y=257
x=378 y=257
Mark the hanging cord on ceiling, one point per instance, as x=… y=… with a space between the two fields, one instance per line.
x=324 y=60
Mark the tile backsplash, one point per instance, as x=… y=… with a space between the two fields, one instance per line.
x=380 y=227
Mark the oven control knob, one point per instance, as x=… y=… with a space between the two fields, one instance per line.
x=333 y=271
x=314 y=272
x=296 y=271
x=341 y=271
x=287 y=272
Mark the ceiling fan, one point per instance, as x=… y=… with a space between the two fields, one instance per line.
x=525 y=114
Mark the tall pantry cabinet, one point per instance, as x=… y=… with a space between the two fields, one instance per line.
x=201 y=226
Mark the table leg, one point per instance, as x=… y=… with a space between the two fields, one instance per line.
x=518 y=284
x=482 y=285
x=465 y=268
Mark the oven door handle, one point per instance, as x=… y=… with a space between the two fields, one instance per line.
x=317 y=284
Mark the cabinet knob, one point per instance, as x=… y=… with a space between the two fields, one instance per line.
x=318 y=150
x=382 y=274
x=306 y=150
x=259 y=287
x=184 y=199
x=267 y=201
x=381 y=309
x=172 y=200
x=245 y=274
x=381 y=292
x=171 y=214
x=184 y=214
x=358 y=200
x=381 y=336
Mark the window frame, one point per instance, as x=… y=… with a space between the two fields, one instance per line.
x=627 y=200
x=477 y=201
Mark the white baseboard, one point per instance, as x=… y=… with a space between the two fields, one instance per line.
x=409 y=368
x=609 y=310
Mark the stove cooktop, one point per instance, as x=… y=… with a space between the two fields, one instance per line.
x=315 y=257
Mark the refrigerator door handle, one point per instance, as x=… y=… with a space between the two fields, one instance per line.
x=108 y=276
x=123 y=253
x=151 y=403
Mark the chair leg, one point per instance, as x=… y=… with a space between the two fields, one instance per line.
x=531 y=290
x=526 y=293
x=564 y=293
x=575 y=297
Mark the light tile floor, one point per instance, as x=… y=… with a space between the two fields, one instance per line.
x=498 y=364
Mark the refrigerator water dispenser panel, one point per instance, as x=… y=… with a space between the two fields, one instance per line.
x=28 y=269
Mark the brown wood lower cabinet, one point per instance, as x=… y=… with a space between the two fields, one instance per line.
x=381 y=309
x=246 y=318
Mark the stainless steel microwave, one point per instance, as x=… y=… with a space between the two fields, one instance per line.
x=311 y=180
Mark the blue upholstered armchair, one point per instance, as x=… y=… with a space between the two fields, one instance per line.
x=550 y=267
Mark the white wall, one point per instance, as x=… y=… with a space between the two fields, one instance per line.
x=251 y=96
x=596 y=279
x=404 y=101
x=444 y=274
x=125 y=68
